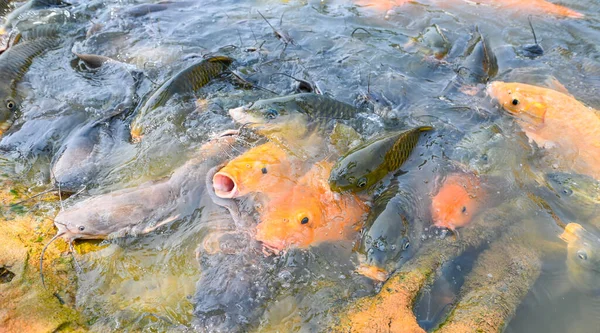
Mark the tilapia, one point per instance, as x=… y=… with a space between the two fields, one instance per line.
x=363 y=167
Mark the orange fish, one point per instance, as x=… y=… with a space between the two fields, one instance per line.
x=457 y=201
x=555 y=121
x=309 y=214
x=381 y=5
x=522 y=6
x=533 y=6
x=264 y=168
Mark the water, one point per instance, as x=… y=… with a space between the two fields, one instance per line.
x=398 y=69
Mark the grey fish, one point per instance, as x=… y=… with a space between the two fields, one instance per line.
x=277 y=109
x=30 y=5
x=186 y=81
x=388 y=237
x=480 y=63
x=14 y=63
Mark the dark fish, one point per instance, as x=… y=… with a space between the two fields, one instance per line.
x=281 y=108
x=187 y=81
x=147 y=8
x=13 y=64
x=480 y=62
x=366 y=165
x=386 y=239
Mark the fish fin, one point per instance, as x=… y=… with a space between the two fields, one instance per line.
x=554 y=84
x=224 y=59
x=160 y=224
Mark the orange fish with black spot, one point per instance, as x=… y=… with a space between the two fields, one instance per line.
x=265 y=168
x=309 y=214
x=556 y=121
x=456 y=203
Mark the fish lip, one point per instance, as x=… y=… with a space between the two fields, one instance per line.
x=239 y=115
x=221 y=181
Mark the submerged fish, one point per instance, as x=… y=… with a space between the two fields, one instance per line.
x=29 y=5
x=265 y=168
x=14 y=62
x=187 y=81
x=480 y=62
x=431 y=41
x=369 y=163
x=386 y=240
x=309 y=214
x=282 y=108
x=457 y=201
x=555 y=121
x=579 y=195
x=583 y=257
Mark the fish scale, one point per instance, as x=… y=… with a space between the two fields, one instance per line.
x=374 y=160
x=322 y=106
x=13 y=64
x=186 y=81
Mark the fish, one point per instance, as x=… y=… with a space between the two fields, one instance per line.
x=279 y=109
x=309 y=214
x=579 y=195
x=458 y=200
x=431 y=41
x=187 y=81
x=14 y=63
x=583 y=257
x=264 y=168
x=386 y=239
x=363 y=167
x=15 y=15
x=555 y=121
x=381 y=5
x=479 y=59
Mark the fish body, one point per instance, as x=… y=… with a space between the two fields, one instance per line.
x=583 y=257
x=30 y=5
x=555 y=121
x=187 y=81
x=265 y=168
x=14 y=63
x=366 y=165
x=386 y=240
x=144 y=208
x=479 y=58
x=309 y=213
x=431 y=41
x=281 y=108
x=458 y=200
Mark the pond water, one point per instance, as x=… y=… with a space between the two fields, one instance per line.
x=402 y=65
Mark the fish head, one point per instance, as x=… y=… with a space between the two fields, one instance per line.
x=291 y=221
x=263 y=168
x=578 y=192
x=456 y=202
x=275 y=110
x=351 y=174
x=81 y=223
x=8 y=108
x=523 y=101
x=583 y=256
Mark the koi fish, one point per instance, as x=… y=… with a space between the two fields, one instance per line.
x=457 y=201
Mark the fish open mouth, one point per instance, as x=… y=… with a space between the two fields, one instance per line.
x=224 y=185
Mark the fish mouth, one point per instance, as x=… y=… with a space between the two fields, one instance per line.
x=239 y=115
x=373 y=272
x=225 y=185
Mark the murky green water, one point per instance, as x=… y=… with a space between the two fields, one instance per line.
x=396 y=67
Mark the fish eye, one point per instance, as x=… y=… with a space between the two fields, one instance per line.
x=264 y=171
x=362 y=182
x=271 y=114
x=582 y=255
x=406 y=245
x=484 y=157
x=567 y=191
x=304 y=220
x=351 y=179
x=464 y=209
x=10 y=104
x=515 y=101
x=81 y=228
